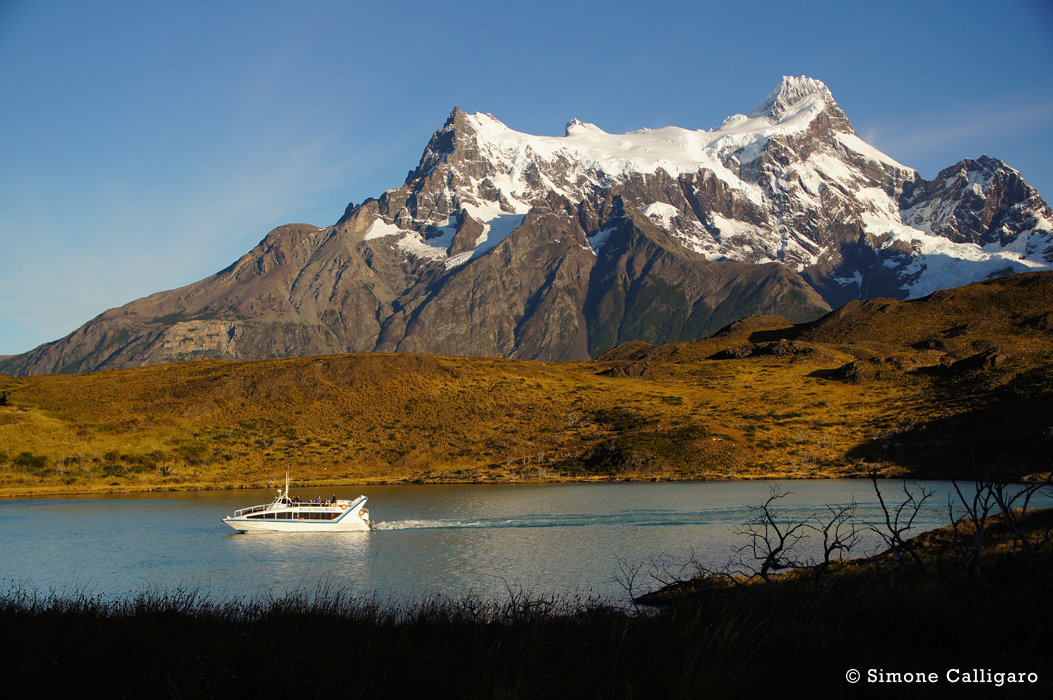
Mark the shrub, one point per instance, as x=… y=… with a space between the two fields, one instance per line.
x=619 y=419
x=27 y=461
x=114 y=470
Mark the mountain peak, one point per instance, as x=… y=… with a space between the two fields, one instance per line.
x=443 y=143
x=576 y=126
x=789 y=95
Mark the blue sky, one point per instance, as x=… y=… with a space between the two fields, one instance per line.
x=145 y=146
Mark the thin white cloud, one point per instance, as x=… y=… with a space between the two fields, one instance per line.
x=919 y=135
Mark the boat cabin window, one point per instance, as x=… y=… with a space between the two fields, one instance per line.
x=298 y=515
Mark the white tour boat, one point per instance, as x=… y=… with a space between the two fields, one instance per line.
x=286 y=514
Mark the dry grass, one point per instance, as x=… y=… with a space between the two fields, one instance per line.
x=636 y=412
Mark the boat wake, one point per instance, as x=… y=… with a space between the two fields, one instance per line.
x=733 y=516
x=636 y=518
x=427 y=524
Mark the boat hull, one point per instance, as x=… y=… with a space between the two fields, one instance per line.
x=351 y=523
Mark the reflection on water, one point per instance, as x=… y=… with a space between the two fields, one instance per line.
x=567 y=539
x=290 y=559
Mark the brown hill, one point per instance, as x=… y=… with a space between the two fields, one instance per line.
x=958 y=381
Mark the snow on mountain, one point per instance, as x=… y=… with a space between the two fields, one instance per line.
x=600 y=157
x=790 y=182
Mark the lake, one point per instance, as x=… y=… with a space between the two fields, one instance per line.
x=571 y=539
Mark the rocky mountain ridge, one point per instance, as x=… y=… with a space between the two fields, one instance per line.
x=557 y=248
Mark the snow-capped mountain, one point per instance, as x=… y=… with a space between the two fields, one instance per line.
x=505 y=244
x=790 y=182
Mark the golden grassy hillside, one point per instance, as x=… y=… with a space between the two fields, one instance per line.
x=959 y=380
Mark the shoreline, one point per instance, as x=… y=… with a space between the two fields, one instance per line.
x=42 y=491
x=885 y=472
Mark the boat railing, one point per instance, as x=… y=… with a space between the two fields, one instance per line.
x=294 y=504
x=253 y=509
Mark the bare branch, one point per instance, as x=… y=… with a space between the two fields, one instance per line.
x=840 y=535
x=898 y=521
x=771 y=540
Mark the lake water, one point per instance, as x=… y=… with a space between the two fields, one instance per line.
x=564 y=539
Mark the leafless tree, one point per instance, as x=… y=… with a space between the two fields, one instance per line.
x=840 y=535
x=626 y=577
x=1006 y=490
x=899 y=520
x=1014 y=501
x=772 y=540
x=977 y=509
x=776 y=542
x=690 y=578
